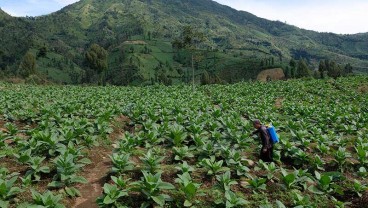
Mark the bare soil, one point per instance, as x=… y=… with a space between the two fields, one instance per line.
x=273 y=74
x=97 y=173
x=363 y=89
x=278 y=102
x=360 y=202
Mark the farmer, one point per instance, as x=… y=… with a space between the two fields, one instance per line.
x=267 y=145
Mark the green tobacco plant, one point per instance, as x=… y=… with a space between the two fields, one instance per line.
x=199 y=140
x=242 y=170
x=224 y=181
x=153 y=138
x=257 y=184
x=340 y=204
x=359 y=188
x=66 y=175
x=24 y=156
x=188 y=189
x=295 y=180
x=112 y=195
x=177 y=135
x=47 y=199
x=91 y=141
x=36 y=168
x=182 y=152
x=363 y=172
x=325 y=184
x=12 y=128
x=270 y=168
x=127 y=144
x=362 y=154
x=208 y=149
x=7 y=188
x=289 y=179
x=232 y=200
x=151 y=187
x=234 y=158
x=323 y=148
x=26 y=181
x=213 y=166
x=184 y=167
x=301 y=200
x=73 y=149
x=318 y=163
x=121 y=163
x=151 y=161
x=341 y=156
x=47 y=142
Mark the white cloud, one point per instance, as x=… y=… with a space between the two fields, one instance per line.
x=336 y=16
x=33 y=7
x=66 y=2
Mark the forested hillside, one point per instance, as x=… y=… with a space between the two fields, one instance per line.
x=148 y=41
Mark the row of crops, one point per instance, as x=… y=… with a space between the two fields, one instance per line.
x=187 y=149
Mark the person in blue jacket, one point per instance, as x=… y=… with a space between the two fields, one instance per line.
x=267 y=146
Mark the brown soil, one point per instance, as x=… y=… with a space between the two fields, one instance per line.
x=96 y=174
x=15 y=80
x=98 y=171
x=2 y=122
x=360 y=202
x=278 y=102
x=273 y=74
x=169 y=177
x=13 y=166
x=363 y=89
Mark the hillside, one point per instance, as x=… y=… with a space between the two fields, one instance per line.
x=138 y=34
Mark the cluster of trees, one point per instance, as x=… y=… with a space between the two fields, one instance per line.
x=27 y=66
x=267 y=62
x=299 y=68
x=331 y=69
x=96 y=60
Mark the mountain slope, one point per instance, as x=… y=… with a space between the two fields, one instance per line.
x=138 y=36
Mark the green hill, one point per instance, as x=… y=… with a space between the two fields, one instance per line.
x=138 y=34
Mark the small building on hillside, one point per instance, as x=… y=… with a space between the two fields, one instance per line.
x=271 y=75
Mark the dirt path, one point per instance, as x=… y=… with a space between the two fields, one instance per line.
x=97 y=172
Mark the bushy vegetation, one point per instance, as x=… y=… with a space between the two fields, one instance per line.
x=184 y=148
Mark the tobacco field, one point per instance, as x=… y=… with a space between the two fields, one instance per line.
x=158 y=146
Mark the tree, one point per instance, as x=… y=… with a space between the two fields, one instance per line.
x=96 y=58
x=42 y=52
x=348 y=69
x=303 y=69
x=327 y=65
x=293 y=69
x=205 y=78
x=322 y=68
x=190 y=40
x=334 y=70
x=287 y=72
x=27 y=66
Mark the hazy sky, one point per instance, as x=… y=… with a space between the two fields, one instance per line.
x=338 y=16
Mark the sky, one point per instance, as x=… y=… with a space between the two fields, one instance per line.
x=337 y=16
